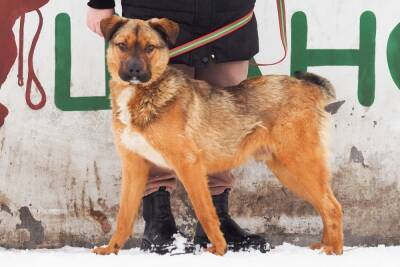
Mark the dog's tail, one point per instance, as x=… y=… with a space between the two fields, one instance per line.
x=325 y=85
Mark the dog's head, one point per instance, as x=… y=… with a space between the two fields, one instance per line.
x=138 y=50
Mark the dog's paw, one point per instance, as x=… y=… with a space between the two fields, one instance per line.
x=220 y=250
x=106 y=250
x=327 y=249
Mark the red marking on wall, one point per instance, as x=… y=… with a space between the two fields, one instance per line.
x=100 y=217
x=3 y=114
x=10 y=11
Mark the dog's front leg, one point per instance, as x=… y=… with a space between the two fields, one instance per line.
x=134 y=178
x=192 y=173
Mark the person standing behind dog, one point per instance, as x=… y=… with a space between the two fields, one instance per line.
x=222 y=63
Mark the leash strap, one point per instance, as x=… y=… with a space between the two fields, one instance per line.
x=212 y=36
x=232 y=27
x=280 y=5
x=31 y=71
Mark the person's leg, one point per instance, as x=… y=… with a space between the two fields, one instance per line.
x=159 y=177
x=223 y=75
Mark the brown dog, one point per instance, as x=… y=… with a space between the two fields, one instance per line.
x=162 y=117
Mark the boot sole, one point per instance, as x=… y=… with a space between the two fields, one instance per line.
x=158 y=249
x=245 y=246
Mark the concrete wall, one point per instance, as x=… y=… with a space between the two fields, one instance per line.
x=59 y=172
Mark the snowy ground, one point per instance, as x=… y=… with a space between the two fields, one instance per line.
x=285 y=255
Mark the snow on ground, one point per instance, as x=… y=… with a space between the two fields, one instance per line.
x=285 y=255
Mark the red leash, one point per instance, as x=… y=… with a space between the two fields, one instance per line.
x=280 y=4
x=31 y=71
x=232 y=27
x=212 y=36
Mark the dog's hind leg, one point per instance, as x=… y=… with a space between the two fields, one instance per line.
x=134 y=178
x=308 y=177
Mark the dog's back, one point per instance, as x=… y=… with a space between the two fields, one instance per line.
x=220 y=119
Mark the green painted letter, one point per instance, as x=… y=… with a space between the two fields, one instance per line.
x=364 y=57
x=393 y=54
x=62 y=94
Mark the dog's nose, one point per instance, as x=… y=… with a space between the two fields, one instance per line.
x=135 y=68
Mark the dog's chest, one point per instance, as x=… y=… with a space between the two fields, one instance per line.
x=123 y=99
x=132 y=140
x=138 y=144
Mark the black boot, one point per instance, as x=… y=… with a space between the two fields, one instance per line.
x=159 y=223
x=236 y=238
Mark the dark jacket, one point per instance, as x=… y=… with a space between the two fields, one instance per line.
x=196 y=18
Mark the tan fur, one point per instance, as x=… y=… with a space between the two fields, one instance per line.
x=199 y=129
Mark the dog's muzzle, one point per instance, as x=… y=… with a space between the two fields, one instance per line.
x=134 y=72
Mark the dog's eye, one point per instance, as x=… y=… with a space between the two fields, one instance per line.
x=149 y=49
x=122 y=46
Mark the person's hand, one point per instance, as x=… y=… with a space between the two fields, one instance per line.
x=95 y=16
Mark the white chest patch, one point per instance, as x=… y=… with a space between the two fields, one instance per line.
x=122 y=101
x=138 y=144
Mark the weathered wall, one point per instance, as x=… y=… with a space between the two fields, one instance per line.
x=59 y=173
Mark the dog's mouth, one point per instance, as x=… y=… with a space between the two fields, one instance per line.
x=134 y=80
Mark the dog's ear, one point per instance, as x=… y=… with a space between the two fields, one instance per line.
x=109 y=26
x=168 y=29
